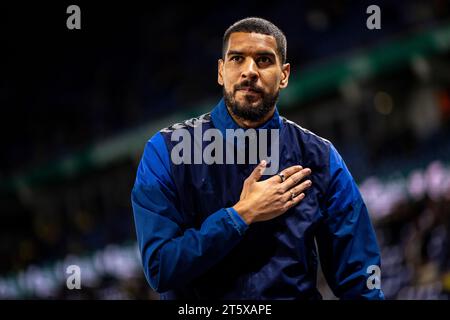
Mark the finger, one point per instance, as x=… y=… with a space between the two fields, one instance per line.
x=301 y=187
x=257 y=172
x=297 y=199
x=296 y=190
x=294 y=179
x=293 y=202
x=287 y=173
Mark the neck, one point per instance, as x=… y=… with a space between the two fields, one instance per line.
x=244 y=123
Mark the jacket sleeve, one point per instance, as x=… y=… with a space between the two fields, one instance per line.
x=347 y=243
x=173 y=256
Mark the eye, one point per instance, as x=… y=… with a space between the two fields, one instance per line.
x=264 y=60
x=236 y=58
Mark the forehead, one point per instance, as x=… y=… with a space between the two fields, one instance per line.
x=244 y=41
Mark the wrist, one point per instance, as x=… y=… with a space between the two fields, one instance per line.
x=244 y=211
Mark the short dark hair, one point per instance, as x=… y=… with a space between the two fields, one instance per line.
x=257 y=25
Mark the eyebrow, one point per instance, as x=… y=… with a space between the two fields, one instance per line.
x=258 y=53
x=231 y=52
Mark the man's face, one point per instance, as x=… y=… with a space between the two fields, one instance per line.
x=252 y=75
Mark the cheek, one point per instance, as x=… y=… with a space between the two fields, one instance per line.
x=227 y=86
x=271 y=82
x=229 y=80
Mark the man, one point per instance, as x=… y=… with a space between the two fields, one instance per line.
x=228 y=231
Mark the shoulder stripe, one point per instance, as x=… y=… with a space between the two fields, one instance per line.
x=193 y=122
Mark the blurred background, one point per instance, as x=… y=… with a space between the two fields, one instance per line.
x=77 y=107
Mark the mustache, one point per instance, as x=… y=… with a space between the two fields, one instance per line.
x=248 y=85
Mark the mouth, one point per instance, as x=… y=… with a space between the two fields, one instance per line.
x=249 y=90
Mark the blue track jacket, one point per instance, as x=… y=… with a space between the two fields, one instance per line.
x=193 y=245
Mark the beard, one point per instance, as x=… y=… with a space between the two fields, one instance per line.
x=248 y=110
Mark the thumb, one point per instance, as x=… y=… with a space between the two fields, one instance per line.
x=258 y=171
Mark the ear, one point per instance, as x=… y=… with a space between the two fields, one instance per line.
x=285 y=72
x=220 y=72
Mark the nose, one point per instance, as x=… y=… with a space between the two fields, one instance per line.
x=250 y=70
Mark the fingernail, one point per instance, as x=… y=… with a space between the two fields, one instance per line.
x=263 y=163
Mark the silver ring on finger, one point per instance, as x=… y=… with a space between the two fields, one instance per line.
x=282 y=176
x=292 y=195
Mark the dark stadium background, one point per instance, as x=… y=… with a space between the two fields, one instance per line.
x=77 y=107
